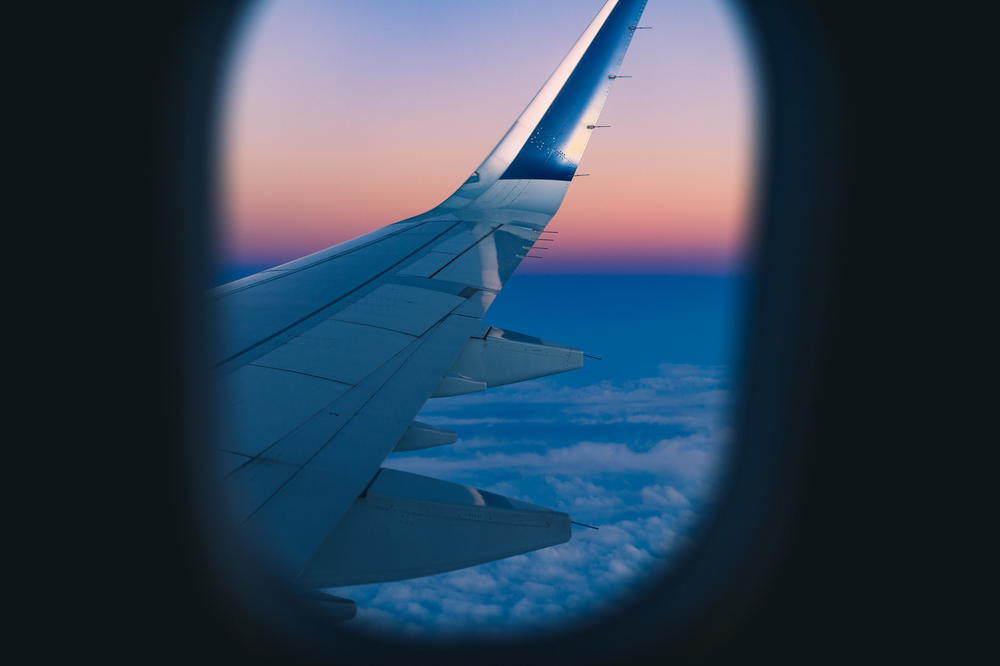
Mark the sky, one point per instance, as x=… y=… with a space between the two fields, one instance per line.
x=346 y=115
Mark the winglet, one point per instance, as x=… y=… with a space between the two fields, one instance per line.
x=532 y=165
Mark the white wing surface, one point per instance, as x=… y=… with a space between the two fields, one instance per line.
x=326 y=360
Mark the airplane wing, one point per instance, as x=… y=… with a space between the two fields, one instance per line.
x=325 y=361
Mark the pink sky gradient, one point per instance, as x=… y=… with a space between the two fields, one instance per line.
x=343 y=116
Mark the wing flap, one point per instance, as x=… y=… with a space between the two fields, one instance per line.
x=332 y=478
x=407 y=525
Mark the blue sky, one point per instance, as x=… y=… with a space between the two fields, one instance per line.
x=631 y=444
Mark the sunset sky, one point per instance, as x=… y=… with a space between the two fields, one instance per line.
x=346 y=115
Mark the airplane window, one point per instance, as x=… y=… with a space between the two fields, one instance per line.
x=344 y=117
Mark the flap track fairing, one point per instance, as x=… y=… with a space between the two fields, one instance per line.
x=504 y=357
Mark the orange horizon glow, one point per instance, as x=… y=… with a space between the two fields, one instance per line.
x=335 y=128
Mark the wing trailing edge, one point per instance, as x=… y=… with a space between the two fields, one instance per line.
x=406 y=525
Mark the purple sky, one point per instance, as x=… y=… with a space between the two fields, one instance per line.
x=344 y=116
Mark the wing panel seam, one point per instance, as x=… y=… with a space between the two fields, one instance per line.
x=333 y=302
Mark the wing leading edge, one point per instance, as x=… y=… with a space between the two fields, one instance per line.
x=326 y=360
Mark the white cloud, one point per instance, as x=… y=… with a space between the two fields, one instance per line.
x=685 y=456
x=470 y=580
x=658 y=495
x=534 y=590
x=438 y=420
x=676 y=386
x=637 y=458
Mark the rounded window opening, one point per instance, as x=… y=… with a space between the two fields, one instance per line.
x=344 y=117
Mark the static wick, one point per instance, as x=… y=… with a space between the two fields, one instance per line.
x=584 y=525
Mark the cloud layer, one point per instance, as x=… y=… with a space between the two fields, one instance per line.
x=637 y=458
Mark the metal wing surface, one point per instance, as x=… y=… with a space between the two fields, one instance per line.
x=326 y=360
